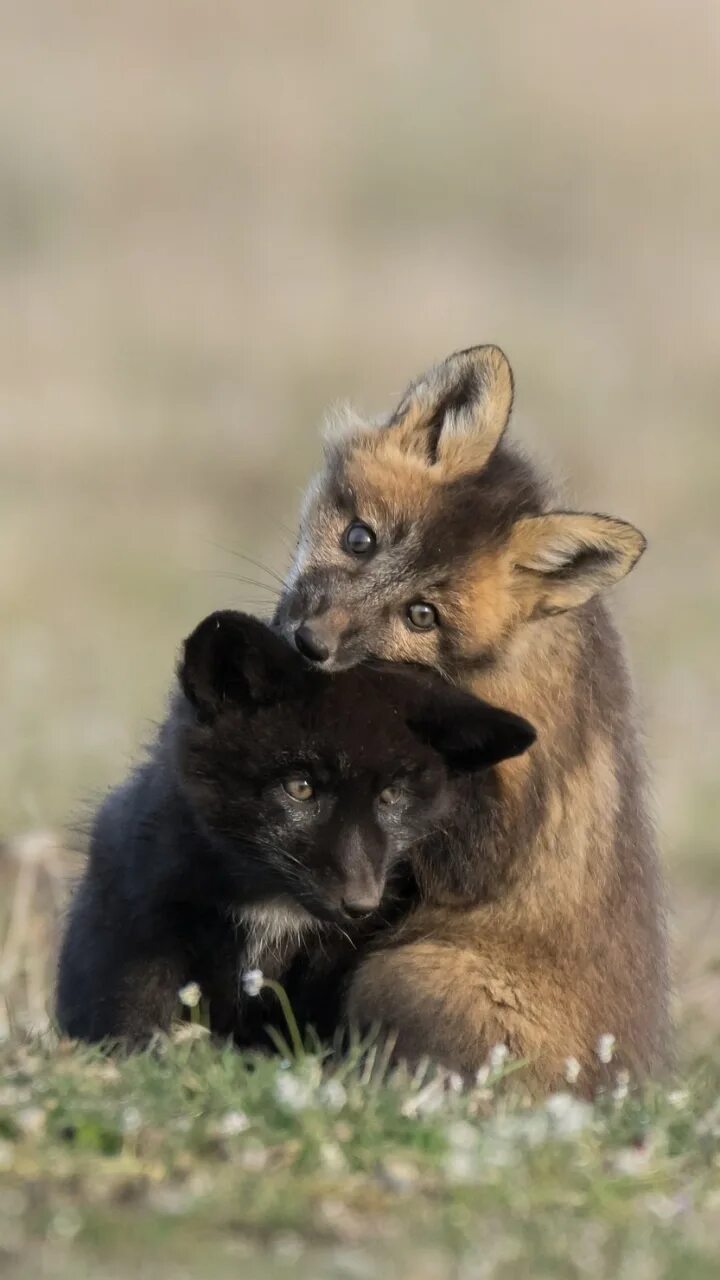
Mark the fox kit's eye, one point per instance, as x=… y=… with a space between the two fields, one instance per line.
x=359 y=538
x=422 y=616
x=299 y=788
x=390 y=795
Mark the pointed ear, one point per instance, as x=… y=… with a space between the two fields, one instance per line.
x=233 y=658
x=469 y=733
x=565 y=558
x=454 y=416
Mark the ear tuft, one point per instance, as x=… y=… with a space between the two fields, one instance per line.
x=342 y=422
x=454 y=416
x=566 y=558
x=232 y=657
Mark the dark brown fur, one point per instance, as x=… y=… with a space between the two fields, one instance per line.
x=204 y=863
x=551 y=932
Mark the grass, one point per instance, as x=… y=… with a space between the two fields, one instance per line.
x=195 y=1160
x=192 y=1159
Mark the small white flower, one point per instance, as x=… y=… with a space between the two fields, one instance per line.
x=622 y=1086
x=572 y=1070
x=462 y=1135
x=605 y=1047
x=455 y=1082
x=254 y=1159
x=252 y=981
x=231 y=1124
x=482 y=1075
x=710 y=1122
x=331 y=1157
x=190 y=995
x=333 y=1095
x=498 y=1056
x=293 y=1093
x=461 y=1160
x=461 y=1166
x=678 y=1098
x=665 y=1207
x=633 y=1161
x=568 y=1114
x=31 y=1120
x=131 y=1121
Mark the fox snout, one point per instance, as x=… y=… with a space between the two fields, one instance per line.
x=353 y=898
x=310 y=642
x=356 y=881
x=360 y=896
x=310 y=617
x=358 y=903
x=319 y=637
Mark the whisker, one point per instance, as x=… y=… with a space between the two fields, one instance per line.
x=244 y=601
x=293 y=533
x=240 y=555
x=237 y=577
x=290 y=857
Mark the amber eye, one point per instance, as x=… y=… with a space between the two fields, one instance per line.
x=359 y=538
x=422 y=616
x=299 y=788
x=390 y=795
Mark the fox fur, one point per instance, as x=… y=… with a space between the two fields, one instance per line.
x=274 y=825
x=549 y=932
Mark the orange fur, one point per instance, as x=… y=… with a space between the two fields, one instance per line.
x=556 y=934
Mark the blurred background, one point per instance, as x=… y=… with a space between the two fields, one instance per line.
x=215 y=220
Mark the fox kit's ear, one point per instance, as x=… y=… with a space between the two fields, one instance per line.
x=233 y=658
x=453 y=417
x=564 y=559
x=469 y=733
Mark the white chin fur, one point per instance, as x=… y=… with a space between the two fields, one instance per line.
x=271 y=925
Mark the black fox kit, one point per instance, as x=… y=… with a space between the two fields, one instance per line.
x=277 y=807
x=429 y=540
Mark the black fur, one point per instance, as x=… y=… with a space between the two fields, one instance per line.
x=203 y=838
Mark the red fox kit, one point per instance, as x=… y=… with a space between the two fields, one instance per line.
x=428 y=539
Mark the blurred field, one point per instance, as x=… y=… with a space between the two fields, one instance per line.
x=215 y=219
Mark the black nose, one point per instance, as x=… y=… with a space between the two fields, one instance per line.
x=310 y=645
x=358 y=909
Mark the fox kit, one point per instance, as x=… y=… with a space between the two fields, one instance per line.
x=274 y=825
x=428 y=539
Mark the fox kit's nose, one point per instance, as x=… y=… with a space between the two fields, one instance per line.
x=359 y=869
x=310 y=645
x=358 y=907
